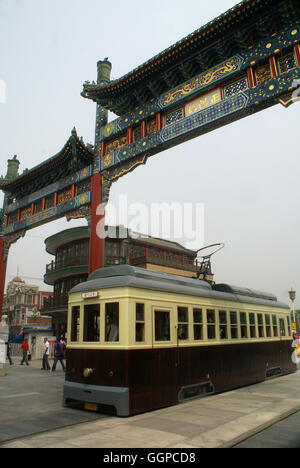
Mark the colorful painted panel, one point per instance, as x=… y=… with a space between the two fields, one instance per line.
x=52 y=188
x=208 y=78
x=50 y=214
x=202 y=102
x=204 y=117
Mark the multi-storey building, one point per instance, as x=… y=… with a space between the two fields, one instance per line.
x=23 y=302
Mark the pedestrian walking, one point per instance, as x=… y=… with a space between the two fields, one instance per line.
x=58 y=355
x=9 y=351
x=46 y=352
x=25 y=350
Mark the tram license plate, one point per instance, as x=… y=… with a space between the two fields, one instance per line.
x=91 y=406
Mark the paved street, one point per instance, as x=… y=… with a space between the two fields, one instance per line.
x=31 y=415
x=284 y=434
x=31 y=402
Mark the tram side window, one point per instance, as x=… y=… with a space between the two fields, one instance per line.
x=211 y=324
x=233 y=325
x=260 y=320
x=275 y=325
x=91 y=323
x=75 y=323
x=268 y=326
x=244 y=329
x=139 y=322
x=112 y=321
x=183 y=319
x=282 y=327
x=252 y=326
x=162 y=325
x=198 y=324
x=223 y=324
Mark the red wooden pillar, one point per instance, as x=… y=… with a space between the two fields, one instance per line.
x=251 y=77
x=297 y=51
x=97 y=225
x=3 y=264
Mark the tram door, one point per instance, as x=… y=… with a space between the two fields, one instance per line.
x=163 y=358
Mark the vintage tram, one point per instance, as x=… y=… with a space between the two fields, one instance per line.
x=140 y=340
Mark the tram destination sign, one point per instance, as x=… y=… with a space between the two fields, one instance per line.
x=90 y=295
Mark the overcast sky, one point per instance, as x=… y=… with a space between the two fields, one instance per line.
x=246 y=174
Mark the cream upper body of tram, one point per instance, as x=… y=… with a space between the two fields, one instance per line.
x=163 y=318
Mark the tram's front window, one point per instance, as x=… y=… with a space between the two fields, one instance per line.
x=162 y=325
x=75 y=322
x=91 y=328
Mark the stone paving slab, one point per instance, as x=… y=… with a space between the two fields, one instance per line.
x=217 y=421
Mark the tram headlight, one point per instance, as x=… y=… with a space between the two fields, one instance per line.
x=87 y=372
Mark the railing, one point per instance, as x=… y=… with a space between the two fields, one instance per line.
x=55 y=301
x=165 y=259
x=110 y=260
x=67 y=262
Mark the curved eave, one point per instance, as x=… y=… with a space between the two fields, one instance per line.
x=46 y=165
x=177 y=52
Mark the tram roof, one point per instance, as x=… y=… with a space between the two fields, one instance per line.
x=130 y=276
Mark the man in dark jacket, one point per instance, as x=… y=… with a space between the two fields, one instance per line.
x=58 y=355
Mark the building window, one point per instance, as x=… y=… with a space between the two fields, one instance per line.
x=223 y=324
x=75 y=323
x=235 y=88
x=162 y=326
x=174 y=116
x=139 y=322
x=183 y=319
x=233 y=325
x=211 y=324
x=198 y=324
x=112 y=321
x=243 y=322
x=91 y=324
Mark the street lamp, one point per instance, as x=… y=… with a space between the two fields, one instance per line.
x=292 y=295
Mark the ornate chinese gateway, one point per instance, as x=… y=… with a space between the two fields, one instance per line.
x=244 y=61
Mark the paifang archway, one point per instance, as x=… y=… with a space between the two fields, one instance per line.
x=244 y=61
